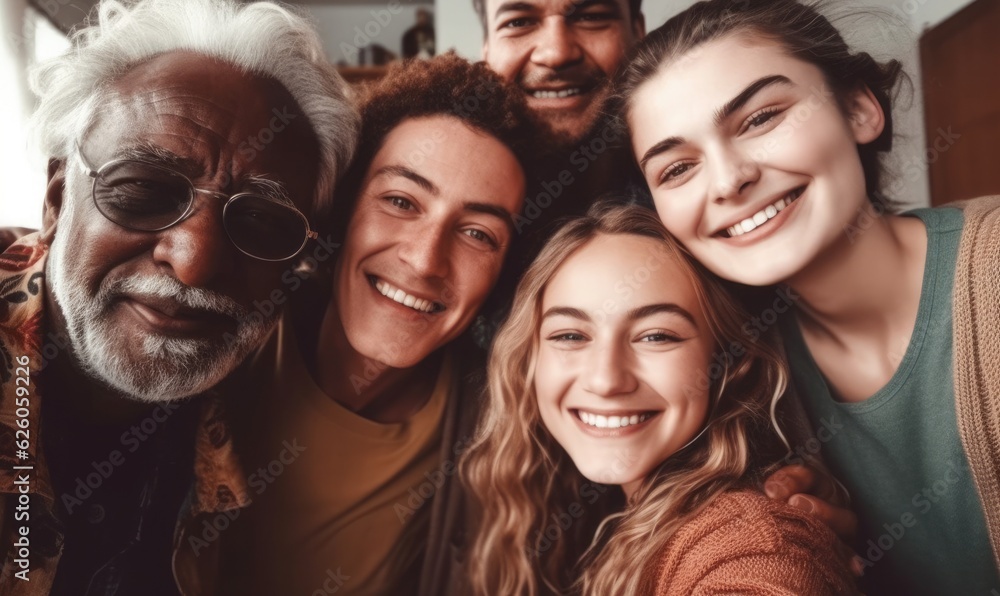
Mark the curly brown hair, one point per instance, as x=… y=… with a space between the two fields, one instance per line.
x=446 y=85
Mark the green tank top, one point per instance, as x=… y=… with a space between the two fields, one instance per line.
x=922 y=528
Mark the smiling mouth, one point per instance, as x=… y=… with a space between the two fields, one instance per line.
x=546 y=94
x=606 y=421
x=762 y=217
x=395 y=294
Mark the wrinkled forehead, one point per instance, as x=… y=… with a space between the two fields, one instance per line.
x=565 y=7
x=198 y=106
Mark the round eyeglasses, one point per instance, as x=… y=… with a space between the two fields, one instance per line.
x=146 y=197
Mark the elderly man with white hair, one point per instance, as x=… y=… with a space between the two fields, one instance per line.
x=193 y=146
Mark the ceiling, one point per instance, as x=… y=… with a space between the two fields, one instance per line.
x=66 y=14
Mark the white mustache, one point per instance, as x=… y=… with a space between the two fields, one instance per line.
x=163 y=286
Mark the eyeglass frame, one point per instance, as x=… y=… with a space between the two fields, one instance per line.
x=95 y=173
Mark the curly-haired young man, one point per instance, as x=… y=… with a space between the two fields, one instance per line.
x=365 y=396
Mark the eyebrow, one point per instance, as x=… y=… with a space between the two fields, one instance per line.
x=409 y=174
x=270 y=189
x=747 y=94
x=485 y=208
x=158 y=155
x=721 y=114
x=642 y=312
x=515 y=6
x=635 y=314
x=262 y=185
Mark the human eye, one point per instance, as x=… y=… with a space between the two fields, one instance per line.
x=660 y=336
x=760 y=118
x=482 y=237
x=137 y=194
x=400 y=203
x=596 y=17
x=674 y=171
x=516 y=22
x=567 y=337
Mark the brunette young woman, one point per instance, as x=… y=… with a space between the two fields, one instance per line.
x=759 y=132
x=622 y=371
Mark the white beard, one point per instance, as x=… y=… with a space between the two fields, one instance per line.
x=167 y=368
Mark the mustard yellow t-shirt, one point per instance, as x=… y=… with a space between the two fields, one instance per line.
x=334 y=520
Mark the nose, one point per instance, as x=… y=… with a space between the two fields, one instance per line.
x=734 y=172
x=556 y=45
x=609 y=372
x=425 y=251
x=196 y=250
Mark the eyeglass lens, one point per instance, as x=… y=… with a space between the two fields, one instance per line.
x=146 y=197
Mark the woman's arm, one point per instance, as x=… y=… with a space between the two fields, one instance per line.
x=746 y=543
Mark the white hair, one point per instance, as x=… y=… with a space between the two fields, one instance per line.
x=261 y=38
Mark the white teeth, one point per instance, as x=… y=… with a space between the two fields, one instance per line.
x=403 y=298
x=602 y=421
x=761 y=217
x=556 y=94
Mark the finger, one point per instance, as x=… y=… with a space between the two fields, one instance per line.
x=843 y=522
x=797 y=478
x=850 y=559
x=788 y=481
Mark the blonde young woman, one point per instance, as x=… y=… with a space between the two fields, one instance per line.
x=626 y=430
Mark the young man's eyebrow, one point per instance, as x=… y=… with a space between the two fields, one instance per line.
x=409 y=174
x=747 y=94
x=566 y=311
x=498 y=212
x=642 y=312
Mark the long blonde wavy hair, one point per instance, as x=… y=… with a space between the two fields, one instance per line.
x=524 y=483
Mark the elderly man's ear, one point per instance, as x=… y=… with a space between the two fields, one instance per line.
x=53 y=199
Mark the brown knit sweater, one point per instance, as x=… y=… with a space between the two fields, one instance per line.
x=744 y=543
x=976 y=318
